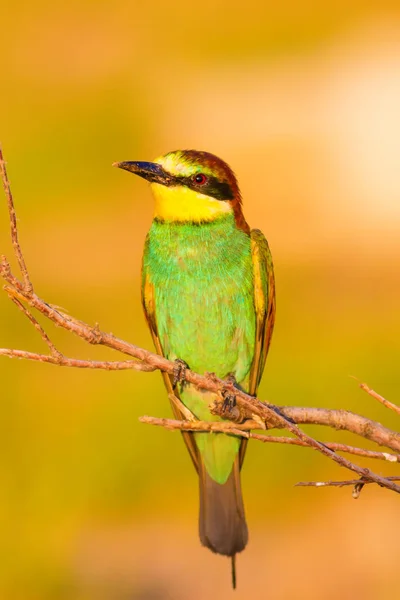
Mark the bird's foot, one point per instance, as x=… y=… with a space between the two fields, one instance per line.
x=179 y=373
x=228 y=393
x=229 y=408
x=229 y=400
x=229 y=396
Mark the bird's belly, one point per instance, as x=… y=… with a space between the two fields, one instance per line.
x=203 y=301
x=208 y=324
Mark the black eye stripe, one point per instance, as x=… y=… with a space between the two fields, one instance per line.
x=214 y=188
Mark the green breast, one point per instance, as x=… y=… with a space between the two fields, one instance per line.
x=203 y=280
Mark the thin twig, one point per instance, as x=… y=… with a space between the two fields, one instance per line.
x=267 y=412
x=380 y=398
x=210 y=383
x=337 y=419
x=339 y=483
x=331 y=445
x=63 y=361
x=228 y=427
x=36 y=325
x=13 y=222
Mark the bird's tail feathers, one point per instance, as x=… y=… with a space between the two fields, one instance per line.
x=222 y=523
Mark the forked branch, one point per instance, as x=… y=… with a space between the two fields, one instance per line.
x=249 y=411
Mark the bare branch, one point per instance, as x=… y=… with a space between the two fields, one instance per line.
x=63 y=361
x=273 y=416
x=35 y=323
x=380 y=398
x=332 y=445
x=248 y=406
x=339 y=483
x=227 y=427
x=13 y=221
x=344 y=420
x=232 y=428
x=337 y=419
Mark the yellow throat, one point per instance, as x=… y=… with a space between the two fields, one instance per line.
x=180 y=203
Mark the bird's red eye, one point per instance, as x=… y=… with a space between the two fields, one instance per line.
x=200 y=179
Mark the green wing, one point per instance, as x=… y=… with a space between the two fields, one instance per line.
x=264 y=305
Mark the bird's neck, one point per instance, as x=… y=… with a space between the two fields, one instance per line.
x=184 y=205
x=195 y=240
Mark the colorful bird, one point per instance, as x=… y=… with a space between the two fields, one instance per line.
x=209 y=297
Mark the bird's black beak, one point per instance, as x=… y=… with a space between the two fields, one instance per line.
x=153 y=172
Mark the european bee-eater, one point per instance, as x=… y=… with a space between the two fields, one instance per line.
x=209 y=298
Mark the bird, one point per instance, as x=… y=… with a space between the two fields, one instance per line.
x=208 y=293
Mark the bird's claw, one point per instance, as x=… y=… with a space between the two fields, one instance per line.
x=229 y=400
x=179 y=373
x=228 y=394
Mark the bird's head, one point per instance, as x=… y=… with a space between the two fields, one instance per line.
x=190 y=186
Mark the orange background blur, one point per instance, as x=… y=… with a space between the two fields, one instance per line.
x=304 y=103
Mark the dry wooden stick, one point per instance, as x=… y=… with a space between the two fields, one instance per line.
x=244 y=430
x=337 y=419
x=250 y=406
x=331 y=445
x=13 y=223
x=63 y=361
x=358 y=484
x=344 y=420
x=240 y=429
x=54 y=352
x=269 y=413
x=380 y=398
x=338 y=483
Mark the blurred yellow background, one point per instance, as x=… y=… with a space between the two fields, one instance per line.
x=303 y=102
